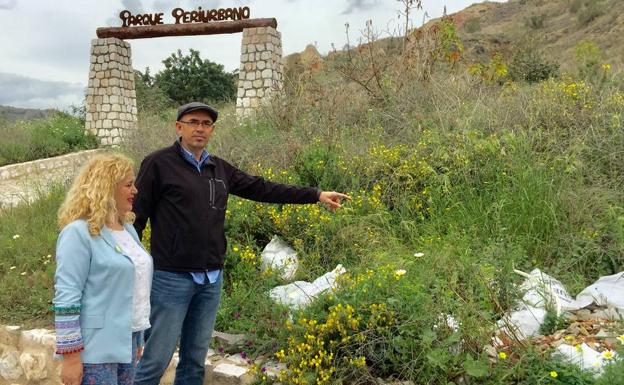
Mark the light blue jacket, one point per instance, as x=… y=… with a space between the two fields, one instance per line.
x=93 y=285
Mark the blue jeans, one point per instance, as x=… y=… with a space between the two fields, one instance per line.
x=184 y=310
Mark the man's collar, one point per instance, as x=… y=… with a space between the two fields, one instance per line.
x=204 y=158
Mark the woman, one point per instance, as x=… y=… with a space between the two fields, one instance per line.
x=103 y=277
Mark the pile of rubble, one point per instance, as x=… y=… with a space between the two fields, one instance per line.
x=585 y=330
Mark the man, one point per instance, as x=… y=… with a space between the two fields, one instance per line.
x=183 y=191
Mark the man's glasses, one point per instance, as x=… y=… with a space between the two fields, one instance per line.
x=197 y=123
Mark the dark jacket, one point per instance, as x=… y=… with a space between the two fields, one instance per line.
x=186 y=208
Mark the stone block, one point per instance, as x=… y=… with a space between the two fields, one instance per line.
x=34 y=366
x=229 y=374
x=103 y=83
x=257 y=83
x=10 y=368
x=116 y=107
x=250 y=76
x=97 y=67
x=265 y=55
x=91 y=74
x=106 y=107
x=254 y=102
x=250 y=93
x=10 y=335
x=261 y=64
x=243 y=57
x=36 y=337
x=260 y=47
x=267 y=73
x=107 y=123
x=93 y=59
x=246 y=102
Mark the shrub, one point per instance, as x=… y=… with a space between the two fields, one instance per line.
x=472 y=25
x=528 y=64
x=59 y=134
x=536 y=21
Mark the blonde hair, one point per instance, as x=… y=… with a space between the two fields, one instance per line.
x=92 y=195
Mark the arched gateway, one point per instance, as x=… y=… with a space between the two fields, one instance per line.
x=111 y=97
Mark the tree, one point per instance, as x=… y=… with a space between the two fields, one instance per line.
x=188 y=78
x=149 y=96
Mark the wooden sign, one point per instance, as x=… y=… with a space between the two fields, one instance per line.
x=184 y=17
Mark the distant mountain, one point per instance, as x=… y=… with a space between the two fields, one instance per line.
x=12 y=114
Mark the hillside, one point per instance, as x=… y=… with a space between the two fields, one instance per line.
x=13 y=114
x=554 y=27
x=557 y=26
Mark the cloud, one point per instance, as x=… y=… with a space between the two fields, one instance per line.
x=22 y=91
x=133 y=6
x=7 y=4
x=359 y=5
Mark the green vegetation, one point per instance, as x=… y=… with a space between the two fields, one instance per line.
x=58 y=134
x=456 y=181
x=472 y=25
x=188 y=78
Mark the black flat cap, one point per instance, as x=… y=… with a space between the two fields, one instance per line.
x=197 y=106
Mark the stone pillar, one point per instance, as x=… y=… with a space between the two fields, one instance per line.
x=111 y=97
x=261 y=68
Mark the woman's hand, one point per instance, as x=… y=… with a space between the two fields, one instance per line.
x=71 y=369
x=332 y=199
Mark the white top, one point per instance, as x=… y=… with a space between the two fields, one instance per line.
x=143 y=269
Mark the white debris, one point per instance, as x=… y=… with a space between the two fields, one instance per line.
x=301 y=293
x=607 y=291
x=543 y=291
x=279 y=255
x=522 y=323
x=584 y=357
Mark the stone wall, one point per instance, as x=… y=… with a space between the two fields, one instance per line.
x=261 y=68
x=25 y=182
x=111 y=97
x=26 y=358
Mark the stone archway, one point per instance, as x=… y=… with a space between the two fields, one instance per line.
x=111 y=96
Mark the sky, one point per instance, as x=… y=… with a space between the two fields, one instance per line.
x=45 y=45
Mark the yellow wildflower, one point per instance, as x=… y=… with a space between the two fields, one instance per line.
x=554 y=374
x=502 y=355
x=607 y=354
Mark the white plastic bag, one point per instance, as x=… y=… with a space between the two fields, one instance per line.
x=543 y=291
x=606 y=291
x=584 y=357
x=279 y=255
x=301 y=293
x=522 y=323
